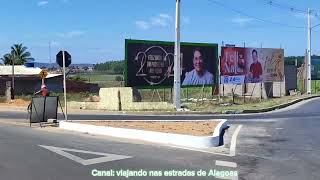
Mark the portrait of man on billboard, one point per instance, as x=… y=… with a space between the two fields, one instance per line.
x=199 y=75
x=255 y=71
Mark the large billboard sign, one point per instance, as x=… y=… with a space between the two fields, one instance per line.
x=251 y=65
x=150 y=63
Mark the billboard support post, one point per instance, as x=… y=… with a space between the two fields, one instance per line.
x=280 y=88
x=177 y=88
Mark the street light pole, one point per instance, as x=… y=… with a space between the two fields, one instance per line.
x=309 y=55
x=177 y=70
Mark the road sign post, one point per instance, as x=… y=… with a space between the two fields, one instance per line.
x=43 y=74
x=64 y=85
x=64 y=60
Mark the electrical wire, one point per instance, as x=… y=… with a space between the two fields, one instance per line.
x=254 y=17
x=291 y=8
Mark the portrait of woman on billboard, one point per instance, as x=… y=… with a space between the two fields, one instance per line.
x=199 y=75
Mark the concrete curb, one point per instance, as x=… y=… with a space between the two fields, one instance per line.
x=151 y=136
x=76 y=111
x=281 y=106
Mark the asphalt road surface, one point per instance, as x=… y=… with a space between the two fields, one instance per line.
x=279 y=145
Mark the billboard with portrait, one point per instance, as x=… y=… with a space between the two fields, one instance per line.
x=251 y=65
x=150 y=63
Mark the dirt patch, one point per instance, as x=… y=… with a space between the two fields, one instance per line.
x=16 y=102
x=195 y=128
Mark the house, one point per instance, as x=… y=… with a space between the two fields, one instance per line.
x=27 y=80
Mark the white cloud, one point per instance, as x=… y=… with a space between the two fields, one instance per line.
x=71 y=34
x=165 y=16
x=42 y=3
x=161 y=20
x=142 y=25
x=242 y=20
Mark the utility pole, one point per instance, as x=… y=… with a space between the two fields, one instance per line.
x=50 y=53
x=308 y=67
x=177 y=69
x=12 y=78
x=309 y=55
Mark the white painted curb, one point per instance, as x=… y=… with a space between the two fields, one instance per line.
x=151 y=136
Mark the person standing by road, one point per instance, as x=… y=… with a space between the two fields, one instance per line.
x=43 y=91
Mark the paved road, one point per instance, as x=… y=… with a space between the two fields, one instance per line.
x=280 y=145
x=21 y=157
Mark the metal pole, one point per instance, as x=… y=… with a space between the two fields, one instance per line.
x=12 y=78
x=50 y=54
x=177 y=96
x=309 y=55
x=64 y=86
x=219 y=79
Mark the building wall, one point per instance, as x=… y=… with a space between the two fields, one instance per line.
x=2 y=87
x=27 y=86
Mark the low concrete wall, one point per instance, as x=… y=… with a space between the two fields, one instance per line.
x=264 y=90
x=109 y=99
x=120 y=98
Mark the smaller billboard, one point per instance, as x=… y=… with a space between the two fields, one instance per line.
x=251 y=65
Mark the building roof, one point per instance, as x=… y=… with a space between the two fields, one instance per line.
x=20 y=70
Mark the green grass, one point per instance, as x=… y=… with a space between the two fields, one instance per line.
x=315 y=86
x=3 y=99
x=96 y=77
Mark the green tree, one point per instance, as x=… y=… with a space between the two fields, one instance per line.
x=19 y=55
x=7 y=59
x=111 y=67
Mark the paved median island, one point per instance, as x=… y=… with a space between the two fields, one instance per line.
x=198 y=134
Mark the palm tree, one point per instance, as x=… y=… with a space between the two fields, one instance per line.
x=19 y=53
x=7 y=59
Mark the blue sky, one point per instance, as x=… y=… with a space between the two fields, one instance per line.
x=94 y=31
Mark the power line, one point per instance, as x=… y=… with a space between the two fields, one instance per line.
x=254 y=17
x=285 y=7
x=291 y=8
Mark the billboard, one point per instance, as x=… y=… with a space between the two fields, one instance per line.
x=150 y=63
x=315 y=67
x=251 y=65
